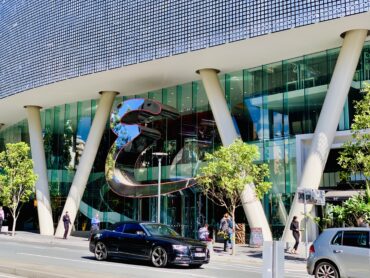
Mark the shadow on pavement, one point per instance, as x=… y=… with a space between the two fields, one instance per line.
x=138 y=262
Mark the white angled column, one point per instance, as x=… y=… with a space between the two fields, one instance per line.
x=251 y=204
x=87 y=159
x=328 y=122
x=39 y=165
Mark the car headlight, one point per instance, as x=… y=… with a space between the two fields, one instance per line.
x=180 y=248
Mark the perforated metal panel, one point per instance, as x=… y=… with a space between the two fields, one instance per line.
x=43 y=42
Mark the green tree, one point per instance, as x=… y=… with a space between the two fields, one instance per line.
x=17 y=179
x=228 y=171
x=355 y=158
x=350 y=211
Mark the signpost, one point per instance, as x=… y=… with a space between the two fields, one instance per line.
x=312 y=197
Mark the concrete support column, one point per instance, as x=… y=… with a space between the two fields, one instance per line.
x=252 y=206
x=328 y=121
x=87 y=159
x=39 y=165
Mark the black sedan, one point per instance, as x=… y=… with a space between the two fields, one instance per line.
x=153 y=242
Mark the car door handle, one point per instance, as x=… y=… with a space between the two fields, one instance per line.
x=338 y=251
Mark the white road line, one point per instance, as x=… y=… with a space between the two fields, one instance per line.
x=10 y=276
x=116 y=265
x=46 y=247
x=246 y=266
x=20 y=244
x=256 y=270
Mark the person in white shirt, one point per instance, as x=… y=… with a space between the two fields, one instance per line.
x=2 y=217
x=203 y=233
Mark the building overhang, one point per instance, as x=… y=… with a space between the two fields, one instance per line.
x=180 y=69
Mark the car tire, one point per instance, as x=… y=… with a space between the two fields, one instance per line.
x=159 y=257
x=101 y=252
x=195 y=265
x=326 y=269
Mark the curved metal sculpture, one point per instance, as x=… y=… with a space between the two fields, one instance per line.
x=128 y=122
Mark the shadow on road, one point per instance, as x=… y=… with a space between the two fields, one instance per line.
x=138 y=262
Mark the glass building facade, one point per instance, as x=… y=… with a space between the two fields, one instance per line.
x=269 y=104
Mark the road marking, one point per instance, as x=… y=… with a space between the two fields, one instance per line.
x=21 y=244
x=46 y=247
x=10 y=276
x=116 y=265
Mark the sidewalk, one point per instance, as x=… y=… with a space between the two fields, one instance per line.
x=244 y=253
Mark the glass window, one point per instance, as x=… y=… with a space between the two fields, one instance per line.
x=356 y=238
x=252 y=128
x=119 y=228
x=133 y=228
x=337 y=239
x=160 y=230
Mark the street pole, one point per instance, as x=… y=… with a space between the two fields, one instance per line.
x=305 y=224
x=159 y=156
x=159 y=191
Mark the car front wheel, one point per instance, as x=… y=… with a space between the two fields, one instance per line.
x=326 y=270
x=159 y=257
x=101 y=252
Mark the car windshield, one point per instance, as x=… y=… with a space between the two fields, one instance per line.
x=160 y=230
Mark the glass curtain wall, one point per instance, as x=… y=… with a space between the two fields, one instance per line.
x=270 y=105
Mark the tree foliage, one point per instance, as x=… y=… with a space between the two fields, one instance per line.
x=355 y=156
x=350 y=211
x=228 y=171
x=17 y=178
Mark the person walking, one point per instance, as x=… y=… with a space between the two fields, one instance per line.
x=2 y=217
x=67 y=222
x=294 y=227
x=95 y=224
x=361 y=223
x=203 y=233
x=226 y=227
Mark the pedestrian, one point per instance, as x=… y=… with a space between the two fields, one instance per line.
x=226 y=227
x=203 y=233
x=67 y=222
x=361 y=223
x=2 y=217
x=95 y=224
x=294 y=227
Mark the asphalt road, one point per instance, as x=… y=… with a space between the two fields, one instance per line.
x=44 y=260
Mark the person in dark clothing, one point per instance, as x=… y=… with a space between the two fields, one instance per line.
x=67 y=222
x=294 y=227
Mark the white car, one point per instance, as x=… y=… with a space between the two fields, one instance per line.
x=340 y=252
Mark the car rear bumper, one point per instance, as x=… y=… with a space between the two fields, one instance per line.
x=311 y=265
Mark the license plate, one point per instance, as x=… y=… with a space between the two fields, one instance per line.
x=198 y=255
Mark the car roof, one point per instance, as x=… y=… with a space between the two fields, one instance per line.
x=134 y=222
x=348 y=229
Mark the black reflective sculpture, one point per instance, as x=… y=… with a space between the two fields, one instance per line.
x=133 y=139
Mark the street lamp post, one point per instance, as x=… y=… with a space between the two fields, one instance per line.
x=159 y=156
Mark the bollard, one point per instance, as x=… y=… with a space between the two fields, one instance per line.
x=273 y=259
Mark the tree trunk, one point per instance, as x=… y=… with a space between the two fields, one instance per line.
x=233 y=245
x=13 y=228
